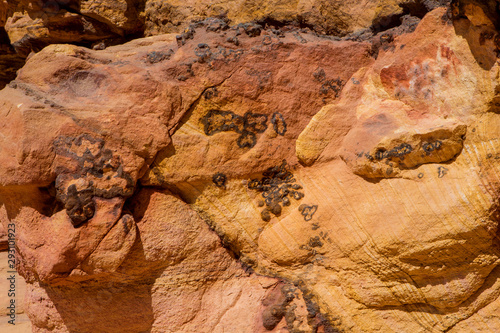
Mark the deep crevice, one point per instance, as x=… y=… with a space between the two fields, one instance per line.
x=10 y=62
x=415 y=8
x=51 y=205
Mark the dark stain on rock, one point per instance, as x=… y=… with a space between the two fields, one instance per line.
x=276 y=304
x=276 y=185
x=216 y=121
x=96 y=173
x=279 y=124
x=307 y=211
x=315 y=242
x=219 y=179
x=79 y=205
x=158 y=56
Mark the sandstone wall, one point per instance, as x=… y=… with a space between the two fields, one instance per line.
x=283 y=166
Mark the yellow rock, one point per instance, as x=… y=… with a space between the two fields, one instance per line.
x=410 y=249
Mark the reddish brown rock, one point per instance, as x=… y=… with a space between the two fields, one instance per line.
x=31 y=25
x=176 y=278
x=4 y=245
x=66 y=188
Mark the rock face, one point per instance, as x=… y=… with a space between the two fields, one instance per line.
x=350 y=184
x=324 y=17
x=166 y=280
x=29 y=26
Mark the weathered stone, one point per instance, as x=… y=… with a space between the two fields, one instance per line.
x=363 y=170
x=32 y=25
x=175 y=278
x=325 y=17
x=33 y=30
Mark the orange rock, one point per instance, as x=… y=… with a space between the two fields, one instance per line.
x=176 y=277
x=366 y=173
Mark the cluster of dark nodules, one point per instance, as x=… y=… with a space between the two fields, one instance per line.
x=429 y=147
x=234 y=40
x=398 y=151
x=334 y=85
x=95 y=163
x=279 y=124
x=202 y=51
x=248 y=125
x=315 y=242
x=216 y=24
x=187 y=34
x=211 y=92
x=79 y=204
x=158 y=56
x=274 y=312
x=219 y=179
x=401 y=150
x=276 y=185
x=251 y=29
x=185 y=71
x=206 y=54
x=308 y=211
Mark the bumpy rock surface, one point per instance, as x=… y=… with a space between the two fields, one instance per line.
x=354 y=183
x=28 y=26
x=325 y=17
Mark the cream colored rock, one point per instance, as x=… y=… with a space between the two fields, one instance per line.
x=34 y=28
x=122 y=17
x=21 y=320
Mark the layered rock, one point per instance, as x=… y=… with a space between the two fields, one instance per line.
x=325 y=17
x=359 y=175
x=28 y=26
x=70 y=184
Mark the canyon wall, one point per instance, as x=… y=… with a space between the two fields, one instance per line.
x=240 y=166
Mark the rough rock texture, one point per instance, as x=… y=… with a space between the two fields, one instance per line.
x=28 y=26
x=31 y=25
x=326 y=17
x=66 y=189
x=354 y=182
x=175 y=278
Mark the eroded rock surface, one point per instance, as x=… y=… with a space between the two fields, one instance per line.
x=28 y=26
x=175 y=277
x=356 y=179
